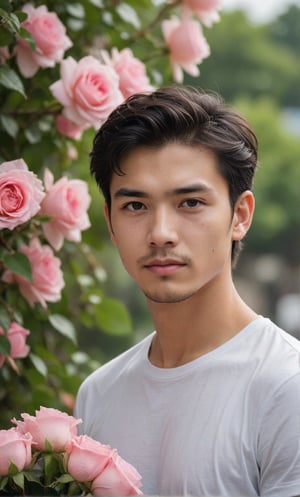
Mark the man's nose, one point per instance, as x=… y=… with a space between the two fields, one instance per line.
x=163 y=228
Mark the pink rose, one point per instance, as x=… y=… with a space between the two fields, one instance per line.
x=4 y=55
x=15 y=447
x=88 y=90
x=50 y=38
x=187 y=45
x=67 y=128
x=50 y=425
x=206 y=10
x=47 y=279
x=118 y=478
x=21 y=193
x=131 y=71
x=17 y=337
x=66 y=203
x=86 y=458
x=72 y=152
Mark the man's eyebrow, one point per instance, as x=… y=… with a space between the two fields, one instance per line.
x=194 y=188
x=129 y=192
x=182 y=190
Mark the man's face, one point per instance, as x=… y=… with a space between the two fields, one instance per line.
x=172 y=222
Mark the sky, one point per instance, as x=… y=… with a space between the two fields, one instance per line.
x=260 y=10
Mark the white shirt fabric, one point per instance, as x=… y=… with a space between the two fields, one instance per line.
x=224 y=424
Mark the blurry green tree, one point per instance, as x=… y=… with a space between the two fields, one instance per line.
x=254 y=60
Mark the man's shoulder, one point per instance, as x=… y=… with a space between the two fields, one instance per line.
x=276 y=354
x=271 y=334
x=111 y=371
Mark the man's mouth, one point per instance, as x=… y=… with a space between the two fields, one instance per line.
x=164 y=266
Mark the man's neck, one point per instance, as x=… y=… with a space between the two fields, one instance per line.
x=189 y=329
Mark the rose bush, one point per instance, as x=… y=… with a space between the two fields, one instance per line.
x=63 y=67
x=131 y=71
x=66 y=203
x=88 y=91
x=67 y=128
x=15 y=448
x=16 y=337
x=47 y=277
x=49 y=35
x=21 y=193
x=187 y=45
x=4 y=55
x=44 y=453
x=206 y=10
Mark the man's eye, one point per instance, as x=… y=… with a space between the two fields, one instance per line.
x=135 y=206
x=191 y=202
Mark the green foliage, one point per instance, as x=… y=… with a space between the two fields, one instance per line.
x=55 y=366
x=19 y=264
x=276 y=224
x=10 y=80
x=46 y=475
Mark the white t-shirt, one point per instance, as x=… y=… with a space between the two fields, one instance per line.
x=226 y=423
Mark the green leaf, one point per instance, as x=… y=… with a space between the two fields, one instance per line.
x=33 y=134
x=27 y=37
x=5 y=7
x=4 y=345
x=18 y=263
x=10 y=125
x=66 y=478
x=64 y=326
x=39 y=364
x=4 y=319
x=19 y=479
x=48 y=447
x=31 y=476
x=10 y=80
x=6 y=38
x=22 y=16
x=76 y=10
x=3 y=482
x=128 y=14
x=97 y=3
x=113 y=317
x=12 y=23
x=51 y=467
x=14 y=471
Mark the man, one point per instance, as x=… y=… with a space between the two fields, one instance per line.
x=209 y=403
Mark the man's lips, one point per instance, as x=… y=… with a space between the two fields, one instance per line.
x=164 y=266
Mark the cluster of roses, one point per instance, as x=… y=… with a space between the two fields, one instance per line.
x=88 y=91
x=90 y=88
x=45 y=450
x=58 y=211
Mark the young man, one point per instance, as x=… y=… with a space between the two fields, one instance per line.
x=209 y=403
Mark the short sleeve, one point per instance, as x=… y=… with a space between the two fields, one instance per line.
x=279 y=442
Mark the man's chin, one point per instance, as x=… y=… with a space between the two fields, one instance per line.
x=167 y=297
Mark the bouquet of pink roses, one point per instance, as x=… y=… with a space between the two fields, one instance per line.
x=44 y=455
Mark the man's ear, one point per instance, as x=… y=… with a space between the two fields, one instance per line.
x=108 y=223
x=243 y=214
